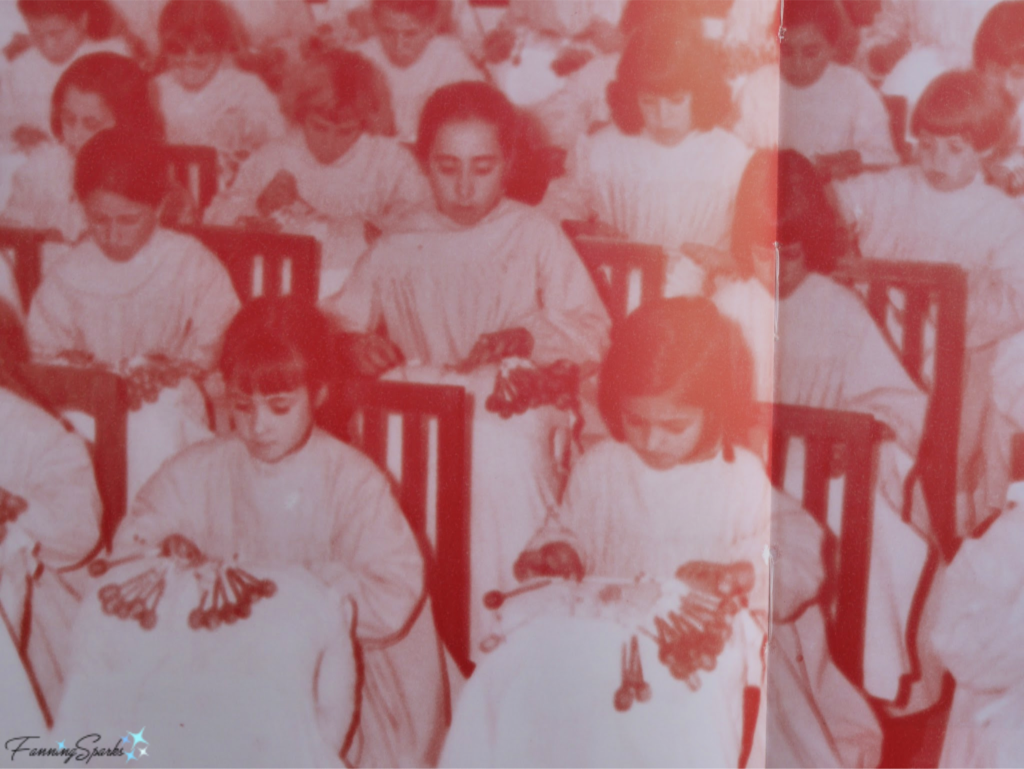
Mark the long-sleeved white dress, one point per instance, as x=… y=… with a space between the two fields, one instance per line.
x=327 y=508
x=43 y=196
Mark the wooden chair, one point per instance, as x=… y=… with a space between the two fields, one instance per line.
x=104 y=397
x=854 y=437
x=899 y=119
x=921 y=309
x=613 y=263
x=27 y=247
x=194 y=167
x=265 y=263
x=448 y=545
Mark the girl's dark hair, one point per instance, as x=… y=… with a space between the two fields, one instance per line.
x=424 y=11
x=782 y=198
x=665 y=59
x=684 y=347
x=100 y=15
x=277 y=344
x=345 y=79
x=188 y=22
x=826 y=15
x=125 y=163
x=999 y=40
x=964 y=103
x=120 y=82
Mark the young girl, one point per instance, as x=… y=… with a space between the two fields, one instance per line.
x=61 y=30
x=825 y=111
x=474 y=279
x=52 y=517
x=673 y=491
x=282 y=492
x=98 y=91
x=941 y=210
x=828 y=353
x=133 y=296
x=330 y=176
x=666 y=173
x=204 y=97
x=416 y=60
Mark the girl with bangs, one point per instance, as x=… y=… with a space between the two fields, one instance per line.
x=666 y=172
x=280 y=491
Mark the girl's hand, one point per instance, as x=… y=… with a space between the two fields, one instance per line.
x=555 y=559
x=570 y=60
x=183 y=550
x=28 y=137
x=724 y=580
x=493 y=348
x=282 y=191
x=373 y=354
x=498 y=45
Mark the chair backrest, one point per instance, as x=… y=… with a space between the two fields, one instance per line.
x=194 y=167
x=626 y=274
x=26 y=245
x=837 y=443
x=265 y=263
x=922 y=312
x=104 y=397
x=417 y=406
x=899 y=119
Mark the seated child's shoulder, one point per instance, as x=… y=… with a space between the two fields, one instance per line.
x=346 y=461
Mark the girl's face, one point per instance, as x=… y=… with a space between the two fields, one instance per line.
x=661 y=431
x=329 y=137
x=57 y=37
x=667 y=119
x=1011 y=78
x=193 y=65
x=403 y=37
x=466 y=169
x=118 y=225
x=792 y=267
x=273 y=426
x=948 y=162
x=83 y=115
x=805 y=55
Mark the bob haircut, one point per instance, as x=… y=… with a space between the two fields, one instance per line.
x=337 y=84
x=197 y=23
x=685 y=347
x=663 y=60
x=468 y=100
x=999 y=41
x=124 y=163
x=782 y=198
x=424 y=11
x=277 y=344
x=99 y=15
x=964 y=103
x=823 y=14
x=123 y=86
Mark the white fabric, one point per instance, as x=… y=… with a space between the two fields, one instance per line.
x=976 y=633
x=442 y=62
x=29 y=82
x=899 y=216
x=749 y=304
x=173 y=297
x=43 y=196
x=252 y=693
x=234 y=113
x=328 y=508
x=50 y=469
x=438 y=286
x=840 y=111
x=579 y=104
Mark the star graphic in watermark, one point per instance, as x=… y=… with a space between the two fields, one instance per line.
x=137 y=737
x=61 y=744
x=142 y=752
x=130 y=757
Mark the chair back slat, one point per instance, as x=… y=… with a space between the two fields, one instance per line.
x=855 y=437
x=265 y=263
x=194 y=167
x=27 y=248
x=103 y=396
x=370 y=404
x=933 y=295
x=612 y=262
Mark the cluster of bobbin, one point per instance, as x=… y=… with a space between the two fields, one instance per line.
x=146 y=382
x=137 y=598
x=523 y=388
x=231 y=598
x=633 y=686
x=690 y=641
